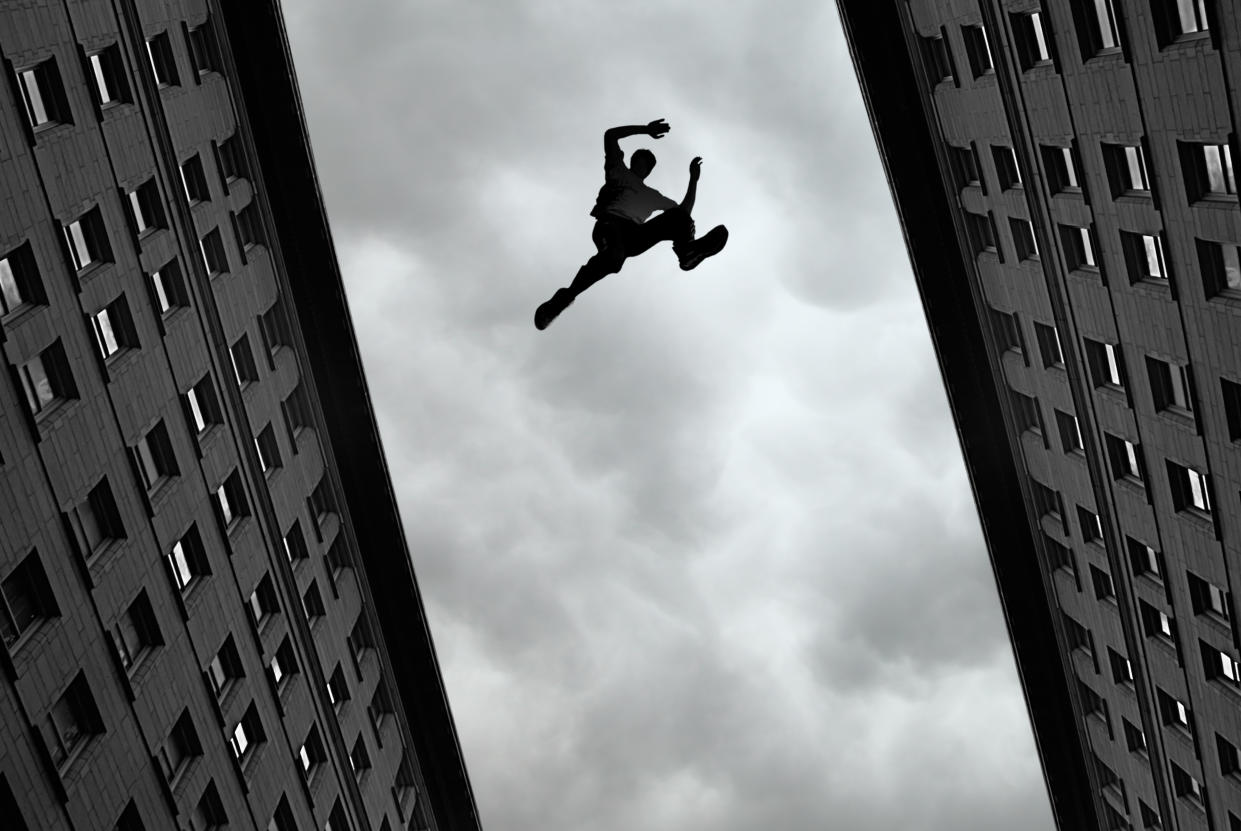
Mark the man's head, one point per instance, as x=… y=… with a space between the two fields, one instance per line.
x=642 y=162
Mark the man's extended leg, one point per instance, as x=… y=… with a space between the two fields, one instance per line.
x=610 y=238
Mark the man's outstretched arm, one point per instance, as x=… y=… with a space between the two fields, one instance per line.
x=612 y=137
x=691 y=190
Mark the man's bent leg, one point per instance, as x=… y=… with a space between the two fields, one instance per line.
x=609 y=260
x=675 y=225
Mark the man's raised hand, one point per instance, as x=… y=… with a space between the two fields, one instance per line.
x=695 y=168
x=657 y=128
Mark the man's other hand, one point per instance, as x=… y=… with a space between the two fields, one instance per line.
x=657 y=128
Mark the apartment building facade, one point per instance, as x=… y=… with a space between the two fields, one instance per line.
x=1064 y=175
x=203 y=578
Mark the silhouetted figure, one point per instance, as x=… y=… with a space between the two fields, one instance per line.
x=621 y=229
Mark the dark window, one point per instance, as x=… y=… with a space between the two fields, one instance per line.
x=1078 y=636
x=1231 y=392
x=274 y=324
x=1221 y=269
x=203 y=405
x=137 y=631
x=1134 y=738
x=163 y=64
x=1144 y=560
x=250 y=227
x=263 y=601
x=230 y=501
x=1172 y=712
x=1156 y=622
x=25 y=600
x=311 y=754
x=936 y=59
x=338 y=688
x=1059 y=556
x=1007 y=330
x=1171 y=388
x=9 y=808
x=1048 y=345
x=1070 y=432
x=1092 y=527
x=404 y=786
x=1106 y=364
x=1046 y=501
x=1126 y=170
x=1208 y=171
x=336 y=820
x=1185 y=786
x=224 y=668
x=1079 y=247
x=1175 y=19
x=380 y=707
x=247 y=734
x=187 y=561
x=977 y=49
x=1061 y=165
x=181 y=746
x=46 y=379
x=268 y=450
x=359 y=759
x=209 y=812
x=96 y=520
x=964 y=164
x=19 y=280
x=312 y=603
x=1023 y=239
x=71 y=722
x=169 y=286
x=283 y=819
x=1191 y=489
x=87 y=238
x=295 y=544
x=1032 y=41
x=1219 y=666
x=1104 y=588
x=1209 y=599
x=129 y=820
x=981 y=232
x=244 y=370
x=111 y=81
x=154 y=458
x=322 y=502
x=361 y=638
x=282 y=664
x=1125 y=458
x=1006 y=168
x=1229 y=762
x=1122 y=670
x=233 y=159
x=1026 y=412
x=1144 y=258
x=338 y=558
x=194 y=180
x=1097 y=30
x=146 y=208
x=297 y=410
x=43 y=95
x=214 y=258
x=203 y=51
x=114 y=329
x=1150 y=817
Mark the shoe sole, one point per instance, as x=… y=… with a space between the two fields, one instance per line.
x=713 y=243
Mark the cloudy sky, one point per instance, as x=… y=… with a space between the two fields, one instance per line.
x=702 y=555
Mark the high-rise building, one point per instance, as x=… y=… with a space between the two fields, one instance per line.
x=208 y=612
x=1064 y=175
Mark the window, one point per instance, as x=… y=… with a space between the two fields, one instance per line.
x=209 y=812
x=1078 y=636
x=1106 y=365
x=1126 y=170
x=1172 y=711
x=1185 y=786
x=203 y=405
x=230 y=501
x=338 y=558
x=1135 y=739
x=1079 y=247
x=1150 y=817
x=1144 y=258
x=214 y=258
x=1144 y=560
x=1023 y=239
x=937 y=60
x=19 y=280
x=1061 y=165
x=964 y=164
x=380 y=707
x=1209 y=599
x=1220 y=666
x=1221 y=269
x=169 y=286
x=1104 y=589
x=250 y=227
x=146 y=208
x=9 y=808
x=187 y=561
x=96 y=520
x=247 y=734
x=1093 y=704
x=263 y=601
x=1171 y=388
x=295 y=544
x=337 y=688
x=977 y=49
x=359 y=759
x=163 y=64
x=194 y=180
x=203 y=52
x=1070 y=432
x=179 y=748
x=312 y=603
x=153 y=457
x=1125 y=458
x=88 y=240
x=1122 y=670
x=114 y=329
x=1031 y=39
x=1006 y=167
x=46 y=379
x=1096 y=27
x=1007 y=330
x=336 y=820
x=25 y=600
x=1091 y=525
x=981 y=232
x=404 y=786
x=1046 y=501
x=361 y=638
x=137 y=632
x=1231 y=392
x=311 y=754
x=1059 y=556
x=43 y=95
x=282 y=664
x=244 y=370
x=274 y=324
x=1191 y=490
x=233 y=159
x=1026 y=412
x=283 y=819
x=296 y=410
x=224 y=668
x=109 y=76
x=1175 y=19
x=1157 y=623
x=1208 y=171
x=322 y=502
x=71 y=722
x=1048 y=345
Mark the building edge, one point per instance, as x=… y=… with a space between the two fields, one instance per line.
x=272 y=106
x=907 y=151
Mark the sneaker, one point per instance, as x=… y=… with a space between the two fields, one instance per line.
x=547 y=312
x=697 y=251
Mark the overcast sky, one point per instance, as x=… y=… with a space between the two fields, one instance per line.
x=701 y=556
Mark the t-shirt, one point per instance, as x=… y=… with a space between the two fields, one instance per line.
x=625 y=195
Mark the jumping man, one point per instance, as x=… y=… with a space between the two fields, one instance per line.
x=621 y=230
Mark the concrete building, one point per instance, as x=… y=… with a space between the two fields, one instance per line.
x=1064 y=175
x=208 y=612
